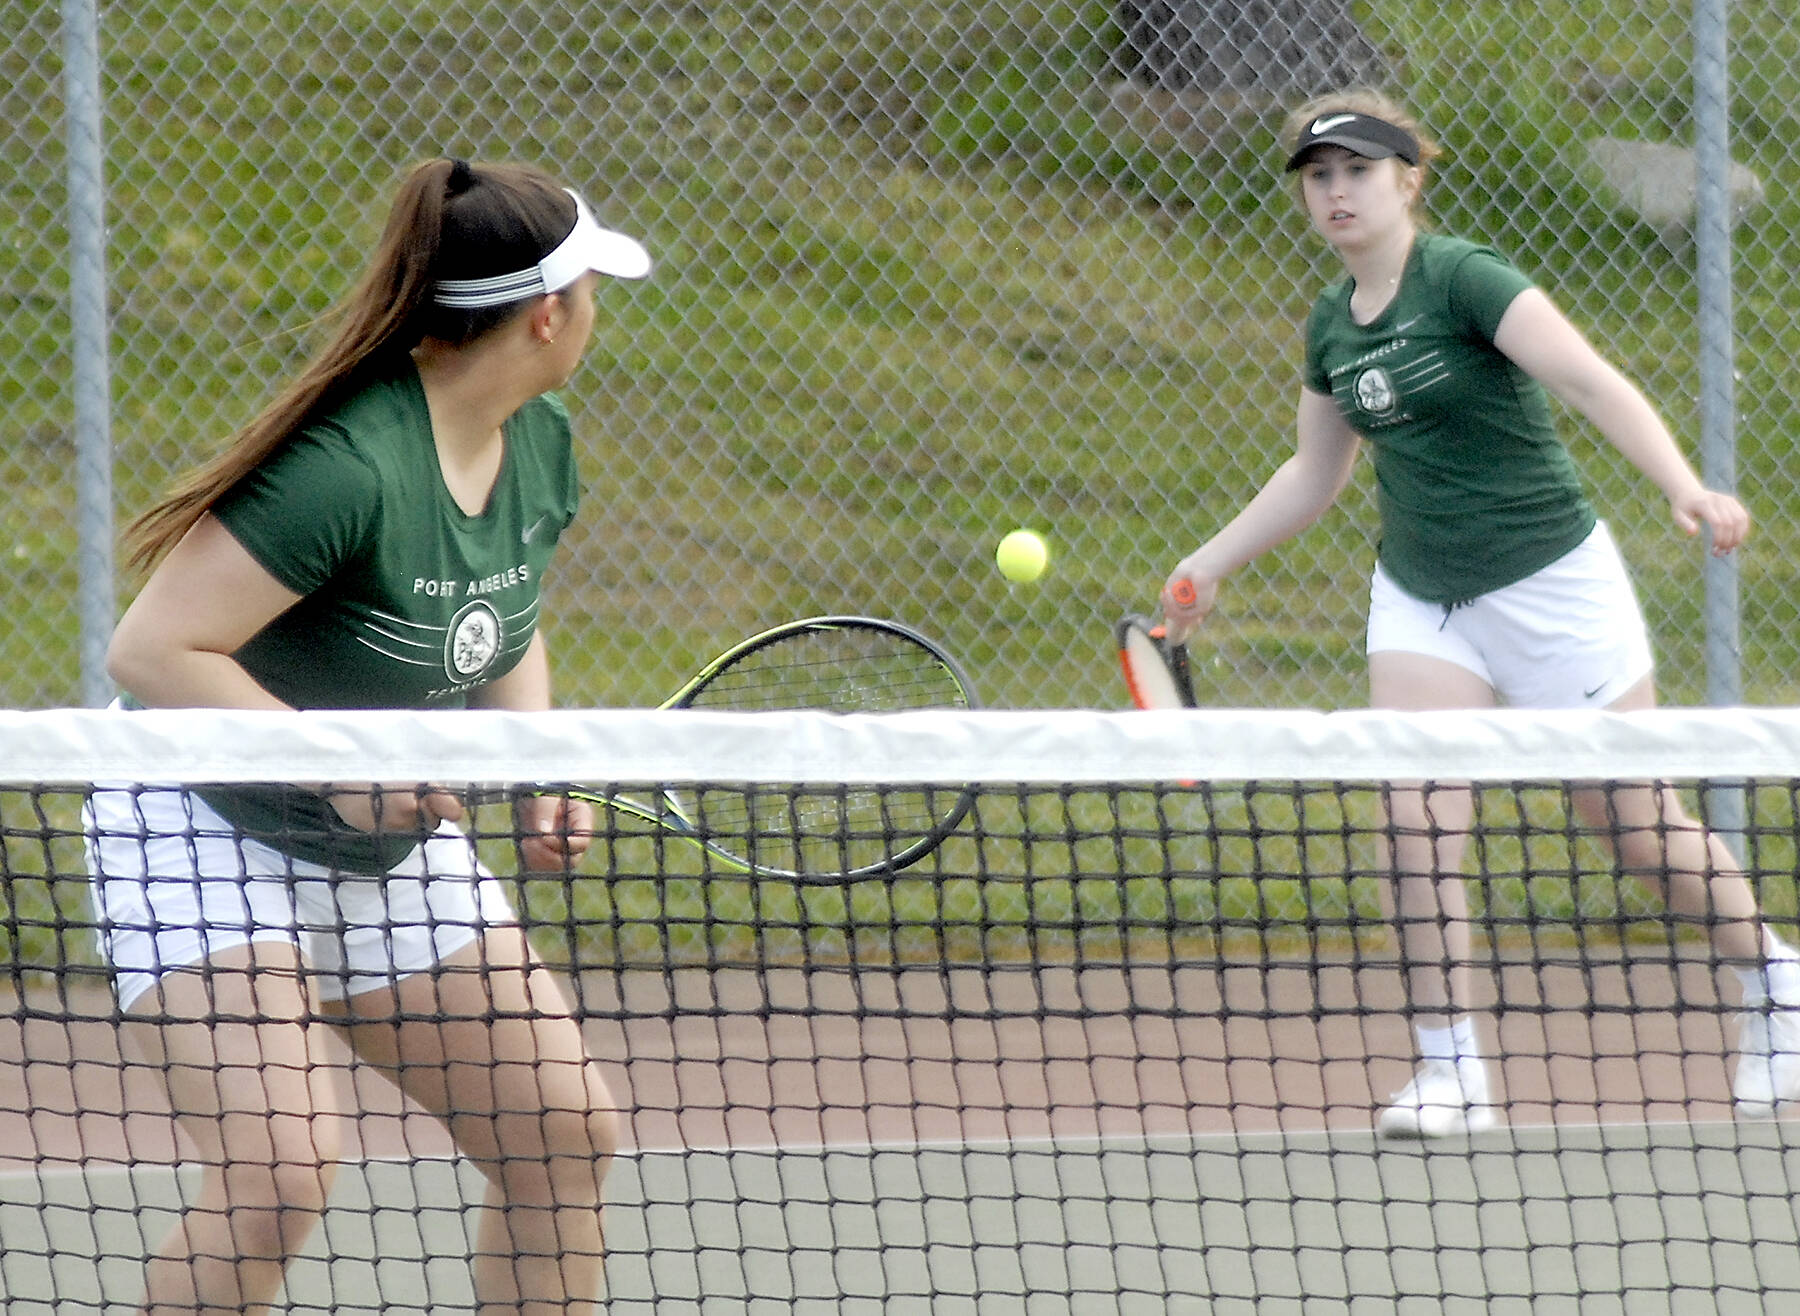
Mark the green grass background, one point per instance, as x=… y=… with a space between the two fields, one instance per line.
x=914 y=234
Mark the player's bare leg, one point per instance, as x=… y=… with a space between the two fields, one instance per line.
x=1700 y=879
x=1428 y=831
x=488 y=1042
x=247 y=1074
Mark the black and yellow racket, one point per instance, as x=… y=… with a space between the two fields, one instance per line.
x=810 y=832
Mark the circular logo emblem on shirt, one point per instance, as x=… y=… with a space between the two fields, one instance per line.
x=1375 y=391
x=473 y=642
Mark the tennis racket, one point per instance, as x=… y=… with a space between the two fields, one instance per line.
x=1156 y=671
x=811 y=833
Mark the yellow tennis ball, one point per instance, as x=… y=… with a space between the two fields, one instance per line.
x=1022 y=556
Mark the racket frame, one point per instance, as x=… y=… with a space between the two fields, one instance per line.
x=1173 y=657
x=665 y=811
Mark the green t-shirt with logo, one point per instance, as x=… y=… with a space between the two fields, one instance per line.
x=1474 y=488
x=406 y=600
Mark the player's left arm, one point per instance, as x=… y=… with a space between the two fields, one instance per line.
x=1541 y=341
x=554 y=831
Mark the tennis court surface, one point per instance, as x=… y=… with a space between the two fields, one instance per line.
x=1115 y=1046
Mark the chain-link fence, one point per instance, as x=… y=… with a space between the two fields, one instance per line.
x=925 y=272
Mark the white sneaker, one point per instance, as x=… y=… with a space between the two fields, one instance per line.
x=1443 y=1099
x=1768 y=1066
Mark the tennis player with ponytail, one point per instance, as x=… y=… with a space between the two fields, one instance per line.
x=1495 y=583
x=373 y=538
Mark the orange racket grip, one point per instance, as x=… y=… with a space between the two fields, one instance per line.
x=1182 y=591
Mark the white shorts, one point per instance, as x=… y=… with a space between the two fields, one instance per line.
x=1568 y=636
x=174 y=885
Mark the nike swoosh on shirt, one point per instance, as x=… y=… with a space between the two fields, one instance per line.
x=526 y=534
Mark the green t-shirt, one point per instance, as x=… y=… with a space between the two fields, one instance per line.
x=1474 y=487
x=407 y=600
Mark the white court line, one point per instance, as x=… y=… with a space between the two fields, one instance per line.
x=1598 y=1217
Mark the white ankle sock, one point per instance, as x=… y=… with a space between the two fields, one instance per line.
x=1776 y=978
x=1456 y=1043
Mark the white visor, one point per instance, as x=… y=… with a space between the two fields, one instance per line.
x=588 y=247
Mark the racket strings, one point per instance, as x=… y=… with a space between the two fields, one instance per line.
x=812 y=829
x=845 y=683
x=808 y=828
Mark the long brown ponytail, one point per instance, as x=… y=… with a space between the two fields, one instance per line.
x=449 y=220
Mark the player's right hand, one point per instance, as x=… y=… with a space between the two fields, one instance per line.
x=1187 y=597
x=374 y=807
x=1721 y=513
x=554 y=832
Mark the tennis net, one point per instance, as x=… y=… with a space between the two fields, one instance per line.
x=1116 y=1037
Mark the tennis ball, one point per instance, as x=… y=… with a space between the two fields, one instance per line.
x=1022 y=556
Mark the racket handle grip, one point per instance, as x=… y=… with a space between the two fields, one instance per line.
x=1182 y=591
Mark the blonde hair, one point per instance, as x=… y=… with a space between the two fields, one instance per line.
x=450 y=219
x=1362 y=100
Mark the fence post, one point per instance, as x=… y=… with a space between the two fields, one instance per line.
x=90 y=380
x=1718 y=437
